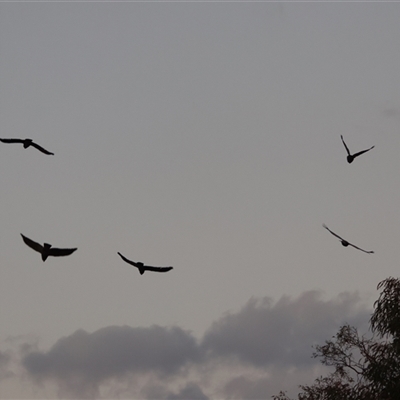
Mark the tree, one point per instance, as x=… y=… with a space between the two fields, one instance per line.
x=364 y=368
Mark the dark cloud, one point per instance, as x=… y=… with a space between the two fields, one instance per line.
x=265 y=334
x=4 y=359
x=4 y=364
x=190 y=391
x=243 y=387
x=83 y=360
x=242 y=355
x=391 y=112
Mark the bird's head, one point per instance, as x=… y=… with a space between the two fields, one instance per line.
x=27 y=143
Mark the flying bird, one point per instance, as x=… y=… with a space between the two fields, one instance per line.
x=345 y=243
x=351 y=157
x=142 y=268
x=27 y=143
x=46 y=250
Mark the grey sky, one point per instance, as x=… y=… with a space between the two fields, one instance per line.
x=205 y=136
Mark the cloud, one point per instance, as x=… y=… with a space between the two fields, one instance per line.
x=4 y=359
x=4 y=365
x=264 y=334
x=391 y=112
x=260 y=349
x=81 y=361
x=190 y=391
x=246 y=387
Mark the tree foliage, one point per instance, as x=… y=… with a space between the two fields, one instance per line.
x=364 y=368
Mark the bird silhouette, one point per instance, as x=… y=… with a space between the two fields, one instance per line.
x=345 y=243
x=142 y=268
x=27 y=143
x=46 y=250
x=351 y=157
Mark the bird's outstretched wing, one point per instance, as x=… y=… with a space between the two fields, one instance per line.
x=157 y=269
x=333 y=233
x=40 y=148
x=142 y=268
x=33 y=245
x=362 y=152
x=347 y=149
x=347 y=243
x=128 y=261
x=55 y=252
x=12 y=140
x=358 y=248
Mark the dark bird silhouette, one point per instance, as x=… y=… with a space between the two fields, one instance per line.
x=46 y=250
x=351 y=157
x=27 y=143
x=345 y=243
x=142 y=268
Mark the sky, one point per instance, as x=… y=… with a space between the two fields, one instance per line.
x=205 y=136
